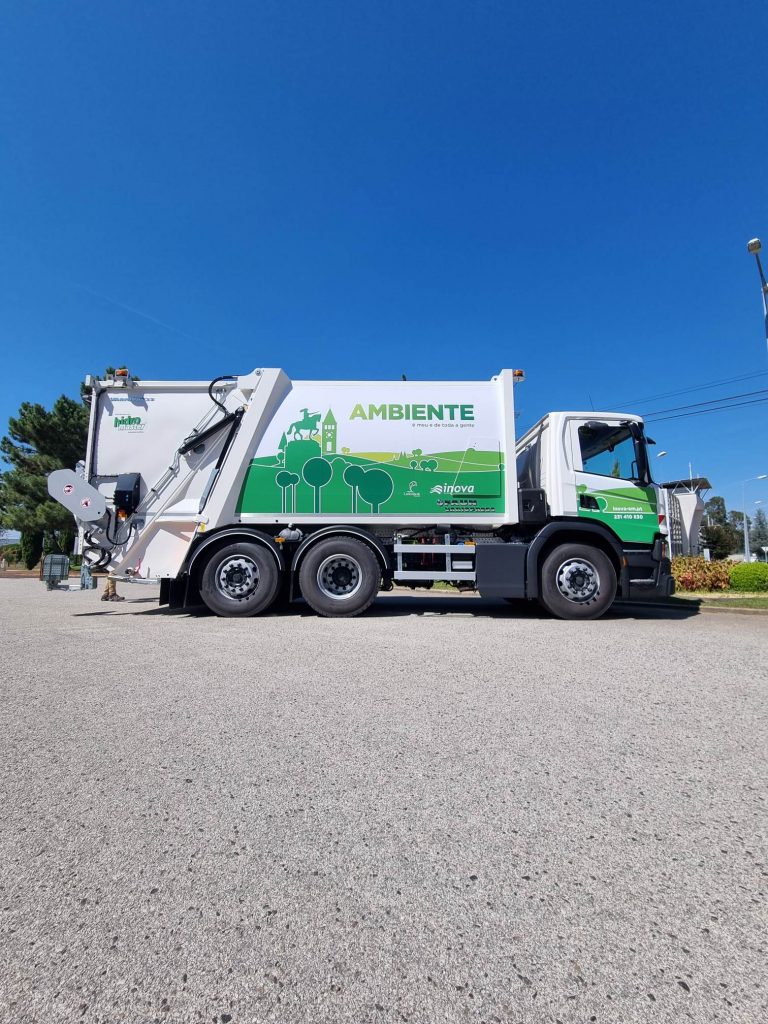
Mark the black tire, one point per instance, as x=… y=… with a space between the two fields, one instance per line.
x=344 y=565
x=240 y=579
x=577 y=582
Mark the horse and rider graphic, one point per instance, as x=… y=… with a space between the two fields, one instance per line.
x=309 y=422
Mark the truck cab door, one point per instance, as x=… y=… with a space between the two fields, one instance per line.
x=611 y=479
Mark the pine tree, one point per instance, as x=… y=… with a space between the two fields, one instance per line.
x=38 y=441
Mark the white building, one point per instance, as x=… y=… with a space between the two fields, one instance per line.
x=685 y=511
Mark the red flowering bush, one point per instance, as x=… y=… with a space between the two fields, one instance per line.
x=694 y=573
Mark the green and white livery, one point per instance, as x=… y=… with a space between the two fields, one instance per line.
x=404 y=451
x=250 y=487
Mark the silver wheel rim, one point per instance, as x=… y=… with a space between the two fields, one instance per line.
x=237 y=578
x=578 y=580
x=339 y=577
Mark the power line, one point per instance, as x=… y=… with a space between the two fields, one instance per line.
x=703 y=412
x=697 y=387
x=711 y=401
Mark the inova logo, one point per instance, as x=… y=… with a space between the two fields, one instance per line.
x=128 y=423
x=452 y=489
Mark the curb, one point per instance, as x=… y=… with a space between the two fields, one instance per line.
x=692 y=603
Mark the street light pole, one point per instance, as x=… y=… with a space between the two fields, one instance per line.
x=744 y=514
x=754 y=245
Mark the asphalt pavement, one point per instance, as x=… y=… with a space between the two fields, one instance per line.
x=446 y=810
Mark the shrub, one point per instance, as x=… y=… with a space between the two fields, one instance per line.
x=12 y=553
x=695 y=573
x=749 y=576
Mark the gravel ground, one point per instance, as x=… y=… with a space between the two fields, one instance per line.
x=446 y=810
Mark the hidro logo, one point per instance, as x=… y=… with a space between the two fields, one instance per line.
x=133 y=423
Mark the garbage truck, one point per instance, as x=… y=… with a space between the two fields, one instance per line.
x=255 y=489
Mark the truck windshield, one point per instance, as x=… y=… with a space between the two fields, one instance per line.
x=608 y=449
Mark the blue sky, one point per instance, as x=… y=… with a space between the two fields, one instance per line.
x=361 y=189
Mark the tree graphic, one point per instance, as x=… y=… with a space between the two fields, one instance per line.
x=417 y=453
x=317 y=473
x=285 y=481
x=429 y=465
x=352 y=476
x=345 y=451
x=376 y=487
x=414 y=464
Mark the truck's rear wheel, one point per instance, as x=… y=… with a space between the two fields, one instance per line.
x=339 y=577
x=577 y=582
x=240 y=579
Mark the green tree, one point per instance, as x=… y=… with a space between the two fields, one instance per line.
x=287 y=481
x=376 y=487
x=758 y=537
x=714 y=511
x=736 y=521
x=317 y=473
x=38 y=441
x=352 y=476
x=722 y=540
x=12 y=553
x=31 y=548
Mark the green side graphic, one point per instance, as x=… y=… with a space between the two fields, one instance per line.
x=631 y=512
x=310 y=474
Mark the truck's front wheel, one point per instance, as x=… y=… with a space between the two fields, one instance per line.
x=577 y=582
x=240 y=579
